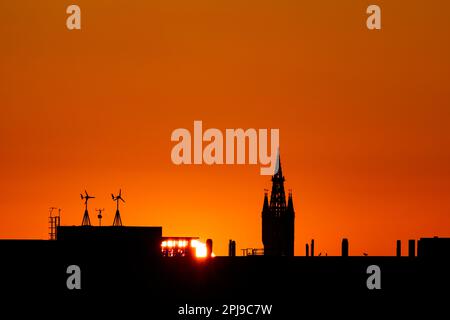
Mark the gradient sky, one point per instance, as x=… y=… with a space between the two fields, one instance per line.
x=364 y=116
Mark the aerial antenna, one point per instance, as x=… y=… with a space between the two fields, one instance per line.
x=53 y=223
x=117 y=220
x=86 y=221
x=99 y=216
x=51 y=210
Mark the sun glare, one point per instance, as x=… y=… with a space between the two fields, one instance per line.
x=200 y=249
x=179 y=247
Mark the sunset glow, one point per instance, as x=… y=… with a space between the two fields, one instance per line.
x=363 y=118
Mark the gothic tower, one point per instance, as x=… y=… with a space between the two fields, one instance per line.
x=278 y=218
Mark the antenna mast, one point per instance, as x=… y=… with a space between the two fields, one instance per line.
x=99 y=216
x=54 y=222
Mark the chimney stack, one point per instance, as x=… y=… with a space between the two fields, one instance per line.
x=411 y=248
x=399 y=248
x=232 y=248
x=345 y=247
x=209 y=246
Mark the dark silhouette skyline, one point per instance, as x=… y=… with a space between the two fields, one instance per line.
x=160 y=273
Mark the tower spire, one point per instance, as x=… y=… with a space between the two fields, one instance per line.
x=278 y=164
x=278 y=196
x=278 y=218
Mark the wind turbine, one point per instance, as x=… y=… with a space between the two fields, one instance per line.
x=86 y=221
x=117 y=220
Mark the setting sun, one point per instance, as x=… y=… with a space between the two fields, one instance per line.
x=200 y=248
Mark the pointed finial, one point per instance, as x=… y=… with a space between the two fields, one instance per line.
x=277 y=164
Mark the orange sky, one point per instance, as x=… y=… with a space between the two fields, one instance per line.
x=364 y=116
